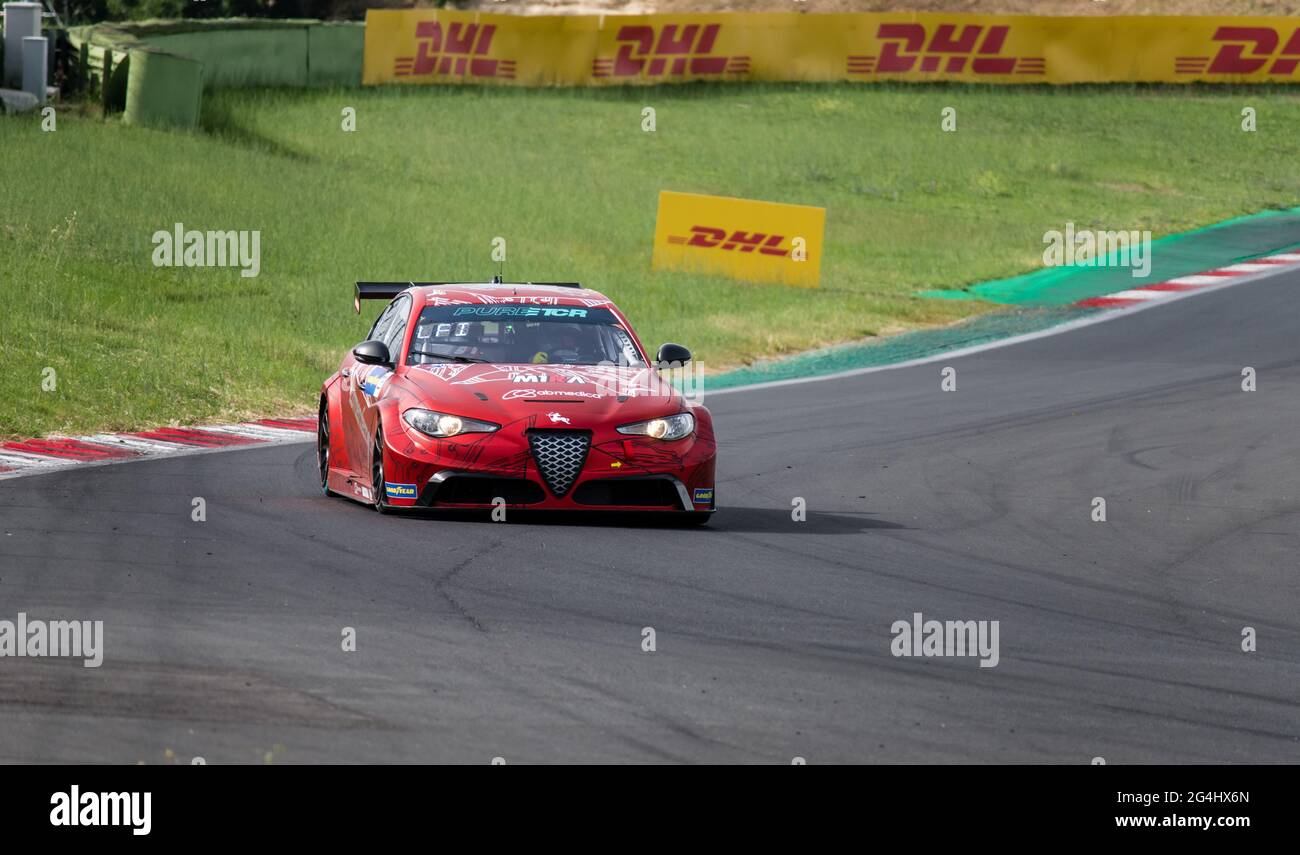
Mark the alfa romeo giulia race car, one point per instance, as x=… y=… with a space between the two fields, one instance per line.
x=532 y=395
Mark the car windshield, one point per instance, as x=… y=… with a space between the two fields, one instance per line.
x=570 y=335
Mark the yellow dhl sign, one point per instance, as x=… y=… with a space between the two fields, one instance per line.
x=437 y=46
x=740 y=238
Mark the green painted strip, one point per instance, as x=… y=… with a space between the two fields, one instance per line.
x=1183 y=254
x=1043 y=299
x=898 y=348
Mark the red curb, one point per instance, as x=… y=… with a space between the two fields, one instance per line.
x=190 y=436
x=68 y=449
x=1115 y=301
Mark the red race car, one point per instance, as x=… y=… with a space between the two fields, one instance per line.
x=523 y=395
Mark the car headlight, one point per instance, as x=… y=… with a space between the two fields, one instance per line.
x=442 y=425
x=667 y=428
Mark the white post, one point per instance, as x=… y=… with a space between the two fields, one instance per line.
x=36 y=66
x=21 y=21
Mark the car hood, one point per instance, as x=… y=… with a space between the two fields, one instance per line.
x=584 y=394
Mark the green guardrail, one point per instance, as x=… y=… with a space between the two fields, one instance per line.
x=155 y=71
x=161 y=87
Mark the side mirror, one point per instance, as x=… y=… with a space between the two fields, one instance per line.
x=372 y=353
x=672 y=354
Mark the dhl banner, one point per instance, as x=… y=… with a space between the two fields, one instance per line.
x=740 y=238
x=436 y=46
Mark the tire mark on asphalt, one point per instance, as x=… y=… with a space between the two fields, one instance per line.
x=440 y=584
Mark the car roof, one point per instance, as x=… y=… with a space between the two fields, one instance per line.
x=510 y=292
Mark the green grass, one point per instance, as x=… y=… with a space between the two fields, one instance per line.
x=570 y=180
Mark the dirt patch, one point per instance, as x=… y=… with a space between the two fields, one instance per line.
x=1123 y=188
x=166 y=692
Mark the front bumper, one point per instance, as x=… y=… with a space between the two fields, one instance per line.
x=458 y=488
x=619 y=473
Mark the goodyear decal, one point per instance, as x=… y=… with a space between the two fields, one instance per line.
x=703 y=495
x=400 y=491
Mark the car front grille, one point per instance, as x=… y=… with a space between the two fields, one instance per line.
x=560 y=455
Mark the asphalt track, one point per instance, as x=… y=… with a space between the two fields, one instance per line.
x=523 y=640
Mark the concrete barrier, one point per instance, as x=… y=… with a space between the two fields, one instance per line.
x=226 y=52
x=163 y=89
x=242 y=56
x=335 y=54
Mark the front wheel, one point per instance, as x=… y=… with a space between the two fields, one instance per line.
x=377 y=473
x=694 y=519
x=323 y=446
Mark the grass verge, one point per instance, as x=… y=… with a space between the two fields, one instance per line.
x=568 y=177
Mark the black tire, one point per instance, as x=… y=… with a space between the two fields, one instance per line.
x=694 y=519
x=323 y=446
x=377 y=473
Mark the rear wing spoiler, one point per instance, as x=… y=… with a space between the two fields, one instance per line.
x=389 y=290
x=378 y=291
